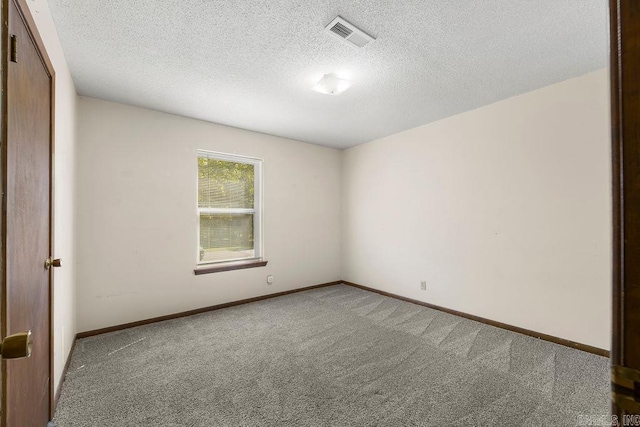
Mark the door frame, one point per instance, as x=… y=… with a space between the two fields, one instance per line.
x=625 y=150
x=27 y=18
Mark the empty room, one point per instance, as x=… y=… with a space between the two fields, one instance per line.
x=290 y=213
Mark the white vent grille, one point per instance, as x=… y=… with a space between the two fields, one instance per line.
x=348 y=32
x=341 y=30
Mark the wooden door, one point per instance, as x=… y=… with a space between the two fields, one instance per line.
x=625 y=121
x=28 y=153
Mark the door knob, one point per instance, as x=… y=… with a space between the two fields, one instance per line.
x=16 y=346
x=50 y=262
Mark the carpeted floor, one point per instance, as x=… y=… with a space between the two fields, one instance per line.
x=335 y=356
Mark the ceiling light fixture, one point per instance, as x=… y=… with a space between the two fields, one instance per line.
x=331 y=84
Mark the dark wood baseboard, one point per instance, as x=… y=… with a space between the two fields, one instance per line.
x=56 y=395
x=556 y=340
x=550 y=338
x=197 y=311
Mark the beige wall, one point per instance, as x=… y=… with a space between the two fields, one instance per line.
x=64 y=308
x=505 y=211
x=137 y=214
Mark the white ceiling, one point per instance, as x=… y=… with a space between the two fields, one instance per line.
x=251 y=63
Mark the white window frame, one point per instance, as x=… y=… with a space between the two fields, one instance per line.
x=256 y=211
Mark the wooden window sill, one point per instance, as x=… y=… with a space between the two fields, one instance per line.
x=234 y=265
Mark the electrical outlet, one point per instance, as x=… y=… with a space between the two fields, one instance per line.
x=423 y=285
x=270 y=279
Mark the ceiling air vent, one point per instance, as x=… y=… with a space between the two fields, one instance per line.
x=348 y=32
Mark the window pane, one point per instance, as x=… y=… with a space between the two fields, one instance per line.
x=223 y=184
x=226 y=236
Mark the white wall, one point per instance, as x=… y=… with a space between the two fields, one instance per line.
x=505 y=211
x=64 y=308
x=137 y=214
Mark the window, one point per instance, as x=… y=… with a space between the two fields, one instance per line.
x=229 y=208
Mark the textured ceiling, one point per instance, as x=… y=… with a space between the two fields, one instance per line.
x=251 y=64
